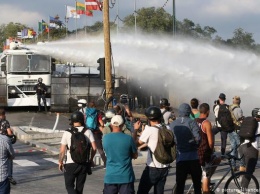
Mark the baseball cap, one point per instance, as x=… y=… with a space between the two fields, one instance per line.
x=236 y=97
x=117 y=120
x=222 y=96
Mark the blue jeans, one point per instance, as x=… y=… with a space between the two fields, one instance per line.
x=153 y=177
x=10 y=168
x=234 y=142
x=5 y=187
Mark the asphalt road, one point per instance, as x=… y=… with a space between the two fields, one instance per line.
x=36 y=172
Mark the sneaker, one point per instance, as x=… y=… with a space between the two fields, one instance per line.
x=12 y=181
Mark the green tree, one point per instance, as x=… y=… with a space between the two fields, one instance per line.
x=189 y=29
x=150 y=20
x=10 y=30
x=242 y=39
x=186 y=28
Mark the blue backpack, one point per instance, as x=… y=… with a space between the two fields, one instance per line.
x=91 y=118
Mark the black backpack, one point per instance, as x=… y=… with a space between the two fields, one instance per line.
x=225 y=118
x=165 y=151
x=248 y=128
x=80 y=146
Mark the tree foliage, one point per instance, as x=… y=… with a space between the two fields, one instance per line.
x=242 y=39
x=150 y=20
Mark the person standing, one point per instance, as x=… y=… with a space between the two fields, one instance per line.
x=95 y=123
x=187 y=137
x=82 y=104
x=249 y=149
x=195 y=113
x=5 y=129
x=108 y=129
x=205 y=151
x=75 y=174
x=165 y=109
x=237 y=116
x=41 y=91
x=120 y=150
x=155 y=173
x=223 y=134
x=236 y=112
x=6 y=153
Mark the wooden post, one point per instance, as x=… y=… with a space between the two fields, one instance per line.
x=106 y=27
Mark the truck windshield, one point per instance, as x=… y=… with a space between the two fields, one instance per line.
x=31 y=63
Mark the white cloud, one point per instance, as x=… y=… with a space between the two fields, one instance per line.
x=15 y=14
x=232 y=7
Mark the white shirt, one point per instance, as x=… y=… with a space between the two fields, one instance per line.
x=66 y=140
x=216 y=109
x=150 y=137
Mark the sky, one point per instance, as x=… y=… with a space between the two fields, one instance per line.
x=223 y=15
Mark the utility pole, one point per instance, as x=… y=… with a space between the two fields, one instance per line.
x=173 y=18
x=109 y=91
x=135 y=14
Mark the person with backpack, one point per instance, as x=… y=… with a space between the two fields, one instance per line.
x=225 y=121
x=77 y=163
x=119 y=176
x=206 y=149
x=187 y=136
x=217 y=129
x=250 y=135
x=95 y=123
x=165 y=109
x=236 y=112
x=155 y=172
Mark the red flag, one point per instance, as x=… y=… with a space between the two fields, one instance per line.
x=89 y=13
x=93 y=5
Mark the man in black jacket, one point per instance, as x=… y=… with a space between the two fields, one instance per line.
x=41 y=91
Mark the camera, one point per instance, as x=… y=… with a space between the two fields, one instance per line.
x=216 y=102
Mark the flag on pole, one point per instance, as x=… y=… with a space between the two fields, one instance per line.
x=40 y=27
x=25 y=33
x=44 y=26
x=80 y=7
x=93 y=5
x=71 y=12
x=30 y=33
x=89 y=13
x=54 y=22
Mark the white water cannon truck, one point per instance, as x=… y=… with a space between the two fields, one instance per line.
x=20 y=69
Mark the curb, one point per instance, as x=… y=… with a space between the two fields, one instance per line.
x=29 y=138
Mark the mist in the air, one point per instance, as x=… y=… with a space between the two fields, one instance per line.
x=189 y=68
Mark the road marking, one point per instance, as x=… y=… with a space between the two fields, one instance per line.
x=25 y=163
x=30 y=124
x=52 y=160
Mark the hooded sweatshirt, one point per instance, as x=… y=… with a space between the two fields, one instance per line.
x=187 y=136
